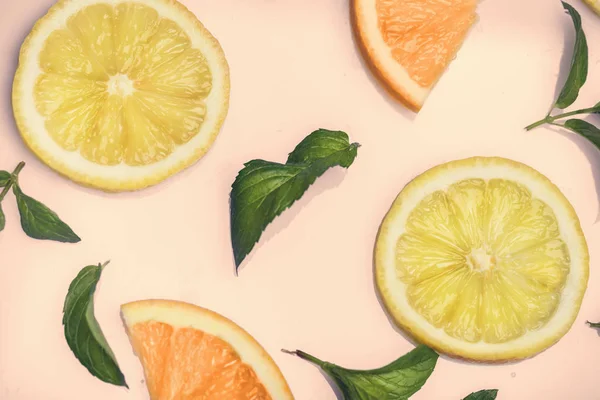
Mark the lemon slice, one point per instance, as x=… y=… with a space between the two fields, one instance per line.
x=594 y=5
x=119 y=95
x=483 y=259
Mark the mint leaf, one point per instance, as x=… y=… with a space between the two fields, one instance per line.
x=594 y=324
x=396 y=381
x=322 y=144
x=2 y=219
x=579 y=63
x=263 y=190
x=39 y=222
x=585 y=129
x=489 y=394
x=83 y=334
x=4 y=178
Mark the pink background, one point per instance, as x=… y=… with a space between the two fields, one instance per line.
x=308 y=285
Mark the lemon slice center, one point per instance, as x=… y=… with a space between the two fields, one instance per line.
x=120 y=85
x=480 y=260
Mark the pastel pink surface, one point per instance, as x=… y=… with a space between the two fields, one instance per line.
x=309 y=284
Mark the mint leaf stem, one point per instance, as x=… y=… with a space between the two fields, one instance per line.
x=18 y=169
x=575 y=112
x=14 y=177
x=551 y=118
x=305 y=356
x=594 y=324
x=5 y=190
x=538 y=123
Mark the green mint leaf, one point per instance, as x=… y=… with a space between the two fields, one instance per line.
x=489 y=394
x=579 y=63
x=2 y=219
x=396 y=381
x=594 y=324
x=322 y=144
x=83 y=334
x=263 y=190
x=4 y=178
x=39 y=222
x=585 y=129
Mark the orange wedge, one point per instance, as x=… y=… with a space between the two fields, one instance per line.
x=190 y=353
x=410 y=43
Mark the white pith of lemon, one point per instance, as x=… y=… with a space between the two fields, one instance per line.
x=483 y=259
x=120 y=95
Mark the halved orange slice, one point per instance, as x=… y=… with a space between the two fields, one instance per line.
x=191 y=353
x=410 y=43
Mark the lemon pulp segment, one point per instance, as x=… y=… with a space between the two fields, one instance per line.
x=483 y=260
x=121 y=84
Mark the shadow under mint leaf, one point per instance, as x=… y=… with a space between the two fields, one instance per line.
x=590 y=151
x=336 y=390
x=329 y=180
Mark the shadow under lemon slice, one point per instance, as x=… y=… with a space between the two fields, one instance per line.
x=188 y=352
x=482 y=259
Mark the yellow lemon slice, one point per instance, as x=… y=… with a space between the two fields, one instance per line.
x=594 y=5
x=119 y=95
x=483 y=259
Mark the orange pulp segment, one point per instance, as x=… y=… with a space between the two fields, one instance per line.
x=186 y=363
x=410 y=43
x=424 y=35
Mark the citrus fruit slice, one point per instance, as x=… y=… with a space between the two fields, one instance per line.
x=410 y=43
x=117 y=94
x=191 y=353
x=483 y=259
x=594 y=5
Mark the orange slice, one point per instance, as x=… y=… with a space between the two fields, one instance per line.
x=410 y=43
x=190 y=353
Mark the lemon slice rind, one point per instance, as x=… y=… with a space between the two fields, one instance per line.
x=594 y=5
x=393 y=291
